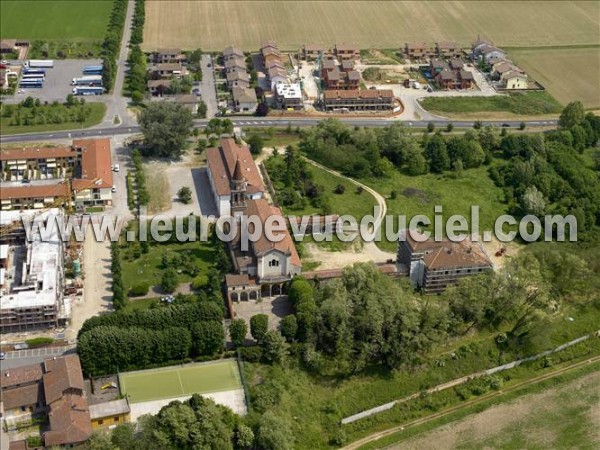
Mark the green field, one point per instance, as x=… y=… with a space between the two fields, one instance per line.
x=170 y=382
x=510 y=106
x=148 y=267
x=69 y=118
x=419 y=195
x=82 y=20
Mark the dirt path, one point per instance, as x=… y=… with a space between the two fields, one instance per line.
x=390 y=431
x=97 y=297
x=474 y=430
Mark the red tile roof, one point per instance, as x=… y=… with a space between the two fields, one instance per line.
x=34 y=191
x=96 y=163
x=221 y=163
x=70 y=421
x=62 y=374
x=264 y=210
x=22 y=396
x=35 y=153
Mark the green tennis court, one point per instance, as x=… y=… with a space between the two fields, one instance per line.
x=179 y=381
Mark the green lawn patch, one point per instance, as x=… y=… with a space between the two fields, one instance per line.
x=275 y=138
x=147 y=268
x=141 y=304
x=525 y=104
x=54 y=20
x=52 y=117
x=179 y=381
x=456 y=194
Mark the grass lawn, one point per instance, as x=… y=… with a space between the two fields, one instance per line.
x=517 y=104
x=83 y=20
x=280 y=138
x=140 y=305
x=179 y=381
x=148 y=267
x=95 y=116
x=420 y=194
x=157 y=186
x=350 y=202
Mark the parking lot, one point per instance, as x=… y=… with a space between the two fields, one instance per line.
x=58 y=81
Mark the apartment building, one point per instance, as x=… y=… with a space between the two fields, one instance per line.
x=358 y=100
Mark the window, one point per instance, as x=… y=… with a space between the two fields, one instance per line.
x=274 y=263
x=116 y=418
x=100 y=422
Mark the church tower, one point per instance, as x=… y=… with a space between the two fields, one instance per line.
x=238 y=186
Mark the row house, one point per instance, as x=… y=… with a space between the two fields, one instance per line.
x=346 y=51
x=274 y=67
x=238 y=79
x=158 y=87
x=486 y=52
x=454 y=79
x=448 y=49
x=232 y=53
x=419 y=50
x=235 y=64
x=334 y=78
x=87 y=164
x=168 y=70
x=168 y=55
x=358 y=100
x=514 y=79
x=244 y=99
x=311 y=52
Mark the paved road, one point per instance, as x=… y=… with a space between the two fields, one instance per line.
x=208 y=88
x=20 y=358
x=116 y=104
x=265 y=122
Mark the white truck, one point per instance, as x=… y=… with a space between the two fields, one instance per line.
x=44 y=63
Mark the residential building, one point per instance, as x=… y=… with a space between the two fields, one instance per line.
x=110 y=414
x=54 y=387
x=244 y=99
x=234 y=64
x=447 y=79
x=514 y=79
x=221 y=162
x=484 y=51
x=438 y=65
x=289 y=96
x=311 y=52
x=466 y=79
x=358 y=100
x=168 y=70
x=456 y=64
x=32 y=277
x=28 y=174
x=448 y=49
x=419 y=50
x=347 y=51
x=435 y=265
x=158 y=87
x=334 y=79
x=277 y=75
x=347 y=65
x=189 y=101
x=232 y=53
x=168 y=56
x=239 y=79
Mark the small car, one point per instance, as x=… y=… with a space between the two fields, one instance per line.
x=116 y=168
x=2 y=355
x=114 y=189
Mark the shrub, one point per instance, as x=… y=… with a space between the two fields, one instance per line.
x=139 y=289
x=39 y=342
x=340 y=189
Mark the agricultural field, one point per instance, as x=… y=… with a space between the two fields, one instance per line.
x=54 y=20
x=563 y=417
x=379 y=24
x=568 y=74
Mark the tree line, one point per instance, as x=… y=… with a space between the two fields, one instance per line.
x=127 y=340
x=112 y=43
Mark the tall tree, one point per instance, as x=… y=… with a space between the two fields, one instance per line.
x=166 y=127
x=573 y=114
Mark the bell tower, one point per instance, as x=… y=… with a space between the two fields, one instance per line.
x=238 y=186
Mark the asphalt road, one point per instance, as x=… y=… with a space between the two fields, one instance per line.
x=264 y=122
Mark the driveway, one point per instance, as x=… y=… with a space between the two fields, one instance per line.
x=207 y=86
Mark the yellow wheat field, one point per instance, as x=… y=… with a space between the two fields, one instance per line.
x=213 y=25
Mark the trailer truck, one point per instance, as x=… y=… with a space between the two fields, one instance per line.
x=40 y=63
x=28 y=71
x=89 y=80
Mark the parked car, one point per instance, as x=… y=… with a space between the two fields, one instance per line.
x=116 y=168
x=114 y=189
x=2 y=355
